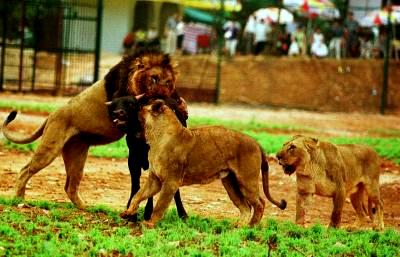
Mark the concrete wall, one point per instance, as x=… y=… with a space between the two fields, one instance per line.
x=321 y=85
x=117 y=21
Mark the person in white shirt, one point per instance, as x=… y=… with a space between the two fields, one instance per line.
x=260 y=36
x=249 y=32
x=180 y=32
x=170 y=30
x=231 y=33
x=318 y=46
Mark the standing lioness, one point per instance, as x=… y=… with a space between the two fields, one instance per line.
x=335 y=171
x=180 y=156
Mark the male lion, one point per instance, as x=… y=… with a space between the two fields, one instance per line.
x=85 y=120
x=199 y=156
x=335 y=171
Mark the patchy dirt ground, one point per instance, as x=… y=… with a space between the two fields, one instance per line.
x=107 y=181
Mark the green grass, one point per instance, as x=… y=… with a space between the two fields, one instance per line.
x=41 y=228
x=388 y=148
x=54 y=229
x=252 y=125
x=30 y=106
x=270 y=136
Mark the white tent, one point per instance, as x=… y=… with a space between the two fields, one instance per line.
x=272 y=14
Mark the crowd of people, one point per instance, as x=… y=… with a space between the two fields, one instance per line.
x=173 y=34
x=342 y=39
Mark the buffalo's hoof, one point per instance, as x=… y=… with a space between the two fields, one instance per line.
x=183 y=216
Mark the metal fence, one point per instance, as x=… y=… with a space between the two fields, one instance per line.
x=49 y=45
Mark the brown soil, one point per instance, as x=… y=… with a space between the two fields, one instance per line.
x=106 y=181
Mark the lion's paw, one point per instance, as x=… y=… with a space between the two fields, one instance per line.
x=127 y=214
x=149 y=224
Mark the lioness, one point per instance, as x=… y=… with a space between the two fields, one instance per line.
x=199 y=156
x=124 y=113
x=85 y=121
x=335 y=171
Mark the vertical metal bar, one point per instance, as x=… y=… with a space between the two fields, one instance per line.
x=35 y=48
x=3 y=45
x=21 y=47
x=66 y=35
x=386 y=62
x=219 y=29
x=58 y=50
x=98 y=40
x=34 y=68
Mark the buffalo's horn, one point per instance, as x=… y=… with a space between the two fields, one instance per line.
x=139 y=96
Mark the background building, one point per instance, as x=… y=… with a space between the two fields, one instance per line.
x=123 y=16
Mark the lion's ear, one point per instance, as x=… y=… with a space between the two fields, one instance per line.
x=139 y=63
x=311 y=143
x=166 y=60
x=297 y=136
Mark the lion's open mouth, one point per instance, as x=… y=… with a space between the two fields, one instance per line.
x=289 y=169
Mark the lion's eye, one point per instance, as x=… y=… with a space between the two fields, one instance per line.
x=168 y=83
x=292 y=147
x=154 y=79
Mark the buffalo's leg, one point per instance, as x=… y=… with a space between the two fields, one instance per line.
x=136 y=160
x=179 y=205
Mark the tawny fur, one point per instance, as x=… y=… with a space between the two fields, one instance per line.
x=84 y=120
x=336 y=171
x=199 y=156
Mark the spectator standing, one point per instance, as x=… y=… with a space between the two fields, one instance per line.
x=366 y=44
x=152 y=37
x=291 y=27
x=318 y=46
x=180 y=32
x=249 y=32
x=129 y=42
x=140 y=36
x=294 y=49
x=231 y=32
x=299 y=37
x=283 y=43
x=172 y=22
x=352 y=42
x=260 y=36
x=379 y=47
x=335 y=45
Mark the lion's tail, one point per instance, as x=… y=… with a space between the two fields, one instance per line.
x=18 y=139
x=265 y=180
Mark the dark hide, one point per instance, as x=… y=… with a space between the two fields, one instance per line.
x=117 y=83
x=124 y=113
